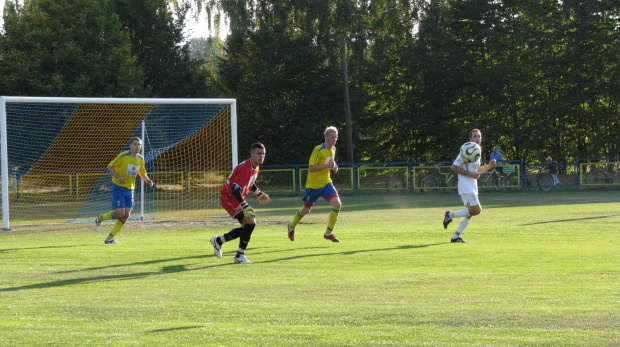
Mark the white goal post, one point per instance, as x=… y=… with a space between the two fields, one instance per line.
x=54 y=152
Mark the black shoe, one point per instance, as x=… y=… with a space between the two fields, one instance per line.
x=446 y=220
x=458 y=239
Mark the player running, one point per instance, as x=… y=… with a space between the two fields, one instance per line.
x=319 y=183
x=232 y=197
x=124 y=169
x=468 y=188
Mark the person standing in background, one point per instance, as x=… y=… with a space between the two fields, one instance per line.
x=553 y=170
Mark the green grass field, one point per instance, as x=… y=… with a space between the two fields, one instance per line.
x=539 y=269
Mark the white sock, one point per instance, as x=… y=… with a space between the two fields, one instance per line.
x=461 y=213
x=462 y=225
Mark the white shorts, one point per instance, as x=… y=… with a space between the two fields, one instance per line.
x=470 y=199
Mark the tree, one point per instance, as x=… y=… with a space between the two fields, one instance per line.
x=282 y=64
x=207 y=50
x=157 y=40
x=66 y=48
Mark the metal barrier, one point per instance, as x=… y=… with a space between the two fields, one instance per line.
x=414 y=177
x=383 y=177
x=431 y=177
x=599 y=174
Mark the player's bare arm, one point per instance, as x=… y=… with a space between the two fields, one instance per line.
x=113 y=172
x=261 y=196
x=329 y=165
x=489 y=166
x=147 y=179
x=461 y=171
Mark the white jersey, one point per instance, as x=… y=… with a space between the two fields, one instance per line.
x=467 y=185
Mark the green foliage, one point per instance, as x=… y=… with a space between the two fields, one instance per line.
x=206 y=50
x=66 y=48
x=99 y=48
x=539 y=78
x=297 y=79
x=157 y=40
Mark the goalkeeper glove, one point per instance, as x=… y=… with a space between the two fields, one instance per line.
x=248 y=211
x=262 y=198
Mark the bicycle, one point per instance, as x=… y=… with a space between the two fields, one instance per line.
x=599 y=179
x=501 y=182
x=435 y=179
x=542 y=179
x=396 y=183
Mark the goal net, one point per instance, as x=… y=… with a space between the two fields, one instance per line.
x=55 y=151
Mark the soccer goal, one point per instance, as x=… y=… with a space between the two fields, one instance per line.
x=54 y=154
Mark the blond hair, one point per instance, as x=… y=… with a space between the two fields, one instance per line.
x=330 y=130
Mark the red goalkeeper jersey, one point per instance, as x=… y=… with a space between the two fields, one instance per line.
x=244 y=175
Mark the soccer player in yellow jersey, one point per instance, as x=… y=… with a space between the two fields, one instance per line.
x=319 y=183
x=124 y=169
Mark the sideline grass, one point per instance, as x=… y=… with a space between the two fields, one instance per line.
x=539 y=269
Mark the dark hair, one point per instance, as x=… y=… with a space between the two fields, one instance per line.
x=256 y=146
x=472 y=131
x=131 y=140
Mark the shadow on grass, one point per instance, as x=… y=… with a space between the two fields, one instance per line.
x=353 y=252
x=150 y=262
x=177 y=328
x=183 y=268
x=164 y=270
x=567 y=220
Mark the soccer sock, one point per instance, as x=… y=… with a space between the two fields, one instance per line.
x=462 y=225
x=117 y=228
x=296 y=219
x=461 y=213
x=246 y=234
x=106 y=216
x=231 y=235
x=333 y=218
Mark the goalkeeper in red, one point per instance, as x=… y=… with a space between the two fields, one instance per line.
x=124 y=169
x=319 y=184
x=232 y=197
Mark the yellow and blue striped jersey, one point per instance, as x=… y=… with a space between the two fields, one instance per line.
x=128 y=167
x=320 y=155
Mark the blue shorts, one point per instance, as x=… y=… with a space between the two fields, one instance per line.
x=121 y=197
x=312 y=195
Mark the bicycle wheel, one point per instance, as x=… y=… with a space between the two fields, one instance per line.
x=545 y=182
x=499 y=183
x=617 y=180
x=453 y=183
x=395 y=183
x=429 y=184
x=511 y=181
x=483 y=179
x=596 y=179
